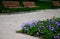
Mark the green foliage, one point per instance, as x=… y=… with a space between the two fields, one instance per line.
x=44 y=4
x=0 y=5
x=47 y=34
x=46 y=28
x=57 y=19
x=33 y=30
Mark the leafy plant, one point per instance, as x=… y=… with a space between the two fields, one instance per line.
x=48 y=29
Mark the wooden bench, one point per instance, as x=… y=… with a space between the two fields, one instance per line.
x=56 y=3
x=29 y=4
x=11 y=4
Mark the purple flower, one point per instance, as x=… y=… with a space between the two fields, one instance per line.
x=56 y=36
x=57 y=23
x=23 y=25
x=51 y=28
x=31 y=25
x=34 y=21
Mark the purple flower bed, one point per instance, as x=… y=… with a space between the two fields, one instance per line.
x=47 y=29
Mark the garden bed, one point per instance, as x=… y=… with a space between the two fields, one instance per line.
x=47 y=29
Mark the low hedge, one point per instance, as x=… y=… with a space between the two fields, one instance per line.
x=19 y=9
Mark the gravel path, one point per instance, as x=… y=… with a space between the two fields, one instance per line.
x=10 y=23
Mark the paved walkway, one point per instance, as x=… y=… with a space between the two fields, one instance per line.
x=10 y=23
